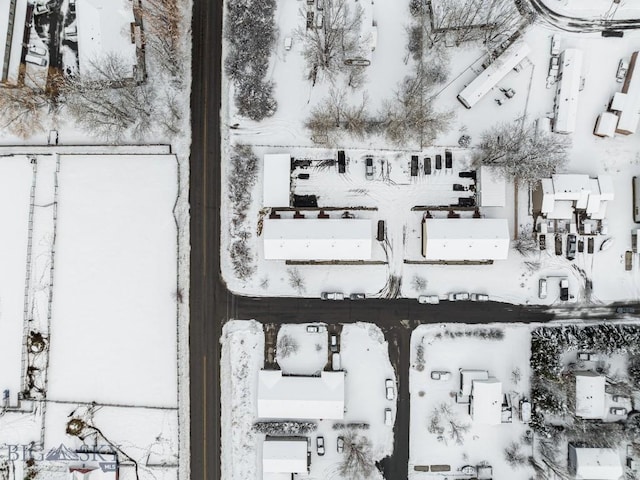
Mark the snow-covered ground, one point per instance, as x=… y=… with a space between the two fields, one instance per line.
x=450 y=348
x=364 y=356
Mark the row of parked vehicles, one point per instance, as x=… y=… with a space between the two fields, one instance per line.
x=454 y=297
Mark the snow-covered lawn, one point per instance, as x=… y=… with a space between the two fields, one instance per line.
x=306 y=351
x=450 y=348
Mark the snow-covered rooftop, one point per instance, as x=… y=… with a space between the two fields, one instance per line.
x=606 y=124
x=495 y=72
x=629 y=111
x=104 y=27
x=590 y=396
x=284 y=456
x=566 y=105
x=300 y=397
x=276 y=180
x=467 y=377
x=486 y=401
x=457 y=239
x=317 y=239
x=492 y=187
x=563 y=193
x=11 y=34
x=595 y=463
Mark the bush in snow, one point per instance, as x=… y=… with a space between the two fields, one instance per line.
x=633 y=370
x=23 y=108
x=295 y=280
x=418 y=283
x=521 y=153
x=464 y=141
x=443 y=420
x=513 y=455
x=357 y=461
x=287 y=345
x=525 y=244
x=285 y=428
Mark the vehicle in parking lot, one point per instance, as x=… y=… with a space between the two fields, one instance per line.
x=448 y=159
x=381 y=231
x=357 y=296
x=312 y=329
x=340 y=445
x=438 y=162
x=390 y=389
x=564 y=290
x=618 y=411
x=332 y=296
x=623 y=66
x=34 y=49
x=333 y=343
x=368 y=162
x=432 y=299
x=388 y=418
x=440 y=375
x=479 y=297
x=336 y=364
x=427 y=165
x=542 y=288
x=320 y=446
x=625 y=310
x=454 y=297
x=571 y=247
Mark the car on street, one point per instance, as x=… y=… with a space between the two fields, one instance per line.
x=542 y=288
x=390 y=389
x=479 y=297
x=340 y=445
x=357 y=296
x=432 y=299
x=388 y=417
x=368 y=162
x=332 y=296
x=571 y=247
x=564 y=290
x=320 y=446
x=440 y=375
x=618 y=411
x=333 y=343
x=623 y=66
x=455 y=297
x=288 y=41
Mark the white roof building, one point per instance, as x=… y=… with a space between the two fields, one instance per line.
x=105 y=27
x=561 y=194
x=13 y=17
x=492 y=189
x=298 y=397
x=628 y=106
x=566 y=103
x=486 y=401
x=465 y=239
x=467 y=377
x=606 y=125
x=276 y=180
x=283 y=457
x=595 y=463
x=317 y=239
x=590 y=395
x=495 y=72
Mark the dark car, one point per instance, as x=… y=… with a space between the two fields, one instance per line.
x=571 y=247
x=471 y=174
x=414 y=165
x=427 y=165
x=380 y=233
x=448 y=159
x=438 y=162
x=342 y=163
x=369 y=168
x=564 y=290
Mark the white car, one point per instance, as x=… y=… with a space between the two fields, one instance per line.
x=37 y=50
x=455 y=297
x=388 y=417
x=623 y=66
x=555 y=45
x=320 y=446
x=430 y=299
x=288 y=41
x=389 y=387
x=332 y=296
x=440 y=375
x=542 y=288
x=312 y=329
x=479 y=297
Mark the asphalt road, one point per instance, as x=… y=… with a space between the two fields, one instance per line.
x=211 y=304
x=579 y=24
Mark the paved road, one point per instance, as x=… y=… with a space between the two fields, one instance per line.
x=579 y=24
x=211 y=304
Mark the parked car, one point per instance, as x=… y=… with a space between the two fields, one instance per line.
x=525 y=411
x=623 y=66
x=332 y=296
x=288 y=41
x=390 y=389
x=34 y=49
x=357 y=296
x=455 y=297
x=340 y=445
x=42 y=8
x=618 y=411
x=623 y=310
x=388 y=417
x=427 y=165
x=440 y=375
x=333 y=343
x=368 y=162
x=320 y=446
x=312 y=329
x=555 y=45
x=336 y=363
x=432 y=299
x=564 y=290
x=438 y=162
x=479 y=297
x=571 y=247
x=542 y=288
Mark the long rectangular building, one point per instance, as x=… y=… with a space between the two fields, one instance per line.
x=627 y=103
x=495 y=72
x=13 y=17
x=317 y=239
x=566 y=103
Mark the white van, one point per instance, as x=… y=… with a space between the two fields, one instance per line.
x=319 y=20
x=335 y=362
x=36 y=60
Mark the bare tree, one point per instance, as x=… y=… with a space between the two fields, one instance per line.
x=525 y=244
x=162 y=21
x=23 y=108
x=326 y=48
x=443 y=420
x=287 y=345
x=521 y=153
x=295 y=280
x=104 y=103
x=357 y=462
x=513 y=455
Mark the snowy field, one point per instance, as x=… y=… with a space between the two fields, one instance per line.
x=364 y=356
x=439 y=348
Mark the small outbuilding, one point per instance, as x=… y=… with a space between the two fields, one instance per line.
x=276 y=180
x=595 y=463
x=492 y=189
x=465 y=239
x=590 y=395
x=282 y=458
